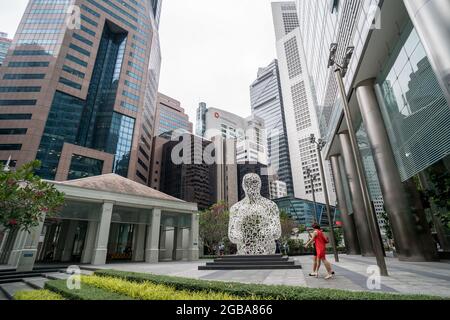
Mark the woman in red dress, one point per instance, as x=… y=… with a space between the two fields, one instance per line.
x=320 y=244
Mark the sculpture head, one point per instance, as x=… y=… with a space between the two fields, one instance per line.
x=252 y=185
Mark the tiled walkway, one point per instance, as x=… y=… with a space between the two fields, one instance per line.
x=351 y=274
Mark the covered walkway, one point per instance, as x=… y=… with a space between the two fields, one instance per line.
x=107 y=219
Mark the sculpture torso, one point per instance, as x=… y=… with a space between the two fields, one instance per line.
x=255 y=225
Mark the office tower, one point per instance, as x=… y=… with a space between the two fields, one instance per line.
x=5 y=43
x=278 y=189
x=150 y=100
x=267 y=103
x=237 y=140
x=299 y=105
x=170 y=116
x=192 y=180
x=73 y=94
x=399 y=97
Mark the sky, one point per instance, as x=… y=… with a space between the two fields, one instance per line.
x=211 y=49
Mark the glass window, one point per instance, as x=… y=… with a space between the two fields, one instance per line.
x=83 y=167
x=414 y=108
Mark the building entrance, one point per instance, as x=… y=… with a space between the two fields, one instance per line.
x=62 y=241
x=121 y=240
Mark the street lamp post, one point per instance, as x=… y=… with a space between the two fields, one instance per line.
x=340 y=72
x=312 y=178
x=320 y=144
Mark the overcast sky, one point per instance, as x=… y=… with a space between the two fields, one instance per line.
x=211 y=49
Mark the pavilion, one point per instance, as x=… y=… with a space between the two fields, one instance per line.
x=107 y=218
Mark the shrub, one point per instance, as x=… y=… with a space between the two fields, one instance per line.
x=149 y=291
x=86 y=292
x=260 y=291
x=37 y=295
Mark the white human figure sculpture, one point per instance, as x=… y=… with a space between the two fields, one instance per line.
x=254 y=221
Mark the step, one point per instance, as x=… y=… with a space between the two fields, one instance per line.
x=249 y=267
x=271 y=256
x=3 y=297
x=34 y=272
x=250 y=263
x=56 y=276
x=10 y=289
x=252 y=260
x=36 y=282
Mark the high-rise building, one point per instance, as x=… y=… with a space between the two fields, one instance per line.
x=255 y=167
x=299 y=105
x=194 y=179
x=395 y=54
x=73 y=95
x=237 y=140
x=5 y=43
x=267 y=103
x=278 y=189
x=150 y=100
x=170 y=116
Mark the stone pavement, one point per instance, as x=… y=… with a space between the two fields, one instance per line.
x=431 y=278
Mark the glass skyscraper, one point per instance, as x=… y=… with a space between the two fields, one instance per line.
x=5 y=43
x=76 y=85
x=395 y=86
x=267 y=103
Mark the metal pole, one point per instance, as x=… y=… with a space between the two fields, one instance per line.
x=327 y=202
x=312 y=179
x=371 y=215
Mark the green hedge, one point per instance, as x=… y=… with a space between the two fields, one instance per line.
x=86 y=292
x=261 y=291
x=37 y=295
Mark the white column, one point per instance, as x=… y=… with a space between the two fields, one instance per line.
x=25 y=249
x=193 y=238
x=152 y=245
x=88 y=249
x=68 y=243
x=139 y=243
x=101 y=241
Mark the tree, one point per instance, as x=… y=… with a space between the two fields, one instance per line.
x=338 y=236
x=25 y=199
x=287 y=225
x=214 y=226
x=387 y=224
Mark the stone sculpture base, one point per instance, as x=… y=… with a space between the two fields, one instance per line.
x=270 y=262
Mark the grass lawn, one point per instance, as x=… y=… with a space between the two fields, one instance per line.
x=120 y=285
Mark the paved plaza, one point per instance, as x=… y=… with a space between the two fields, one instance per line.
x=432 y=278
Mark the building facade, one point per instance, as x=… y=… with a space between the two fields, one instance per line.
x=278 y=189
x=170 y=116
x=5 y=43
x=396 y=86
x=191 y=179
x=73 y=94
x=107 y=219
x=299 y=104
x=267 y=103
x=306 y=212
x=237 y=140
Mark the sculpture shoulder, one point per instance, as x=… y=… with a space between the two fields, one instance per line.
x=236 y=207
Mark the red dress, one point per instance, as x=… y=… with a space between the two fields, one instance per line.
x=320 y=241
